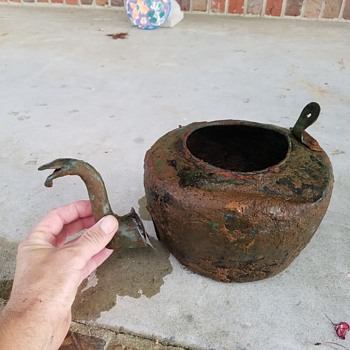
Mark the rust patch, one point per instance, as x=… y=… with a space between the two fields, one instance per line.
x=236 y=206
x=133 y=272
x=317 y=90
x=116 y=36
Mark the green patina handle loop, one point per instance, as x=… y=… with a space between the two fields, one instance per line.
x=307 y=117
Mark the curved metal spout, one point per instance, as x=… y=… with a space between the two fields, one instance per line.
x=131 y=232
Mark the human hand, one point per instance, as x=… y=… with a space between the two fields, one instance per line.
x=48 y=273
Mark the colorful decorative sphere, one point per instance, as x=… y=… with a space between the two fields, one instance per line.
x=148 y=14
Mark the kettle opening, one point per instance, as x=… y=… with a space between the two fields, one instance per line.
x=239 y=148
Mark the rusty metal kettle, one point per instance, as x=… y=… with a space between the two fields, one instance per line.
x=238 y=200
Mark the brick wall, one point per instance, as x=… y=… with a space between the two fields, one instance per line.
x=314 y=9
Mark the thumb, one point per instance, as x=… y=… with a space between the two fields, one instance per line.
x=97 y=237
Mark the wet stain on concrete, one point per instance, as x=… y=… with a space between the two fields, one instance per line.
x=143 y=212
x=341 y=64
x=23 y=117
x=134 y=272
x=31 y=162
x=139 y=140
x=189 y=318
x=8 y=251
x=14 y=113
x=337 y=152
x=5 y=289
x=316 y=89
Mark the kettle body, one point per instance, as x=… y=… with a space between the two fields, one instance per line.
x=237 y=200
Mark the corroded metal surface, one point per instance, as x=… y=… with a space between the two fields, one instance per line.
x=236 y=225
x=307 y=117
x=131 y=233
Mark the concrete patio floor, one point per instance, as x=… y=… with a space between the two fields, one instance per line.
x=68 y=90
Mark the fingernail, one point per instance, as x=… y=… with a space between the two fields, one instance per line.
x=108 y=224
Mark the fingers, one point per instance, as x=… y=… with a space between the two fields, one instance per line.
x=96 y=261
x=72 y=228
x=95 y=238
x=54 y=221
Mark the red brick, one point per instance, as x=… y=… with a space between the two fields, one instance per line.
x=119 y=3
x=346 y=14
x=184 y=4
x=218 y=5
x=293 y=7
x=254 y=7
x=199 y=5
x=72 y=2
x=312 y=8
x=274 y=7
x=57 y=1
x=76 y=341
x=101 y=2
x=332 y=8
x=116 y=346
x=120 y=347
x=86 y=2
x=236 y=6
x=28 y=0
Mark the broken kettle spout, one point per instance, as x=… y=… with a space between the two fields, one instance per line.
x=131 y=232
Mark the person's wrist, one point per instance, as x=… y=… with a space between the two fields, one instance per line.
x=31 y=302
x=31 y=326
x=35 y=311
